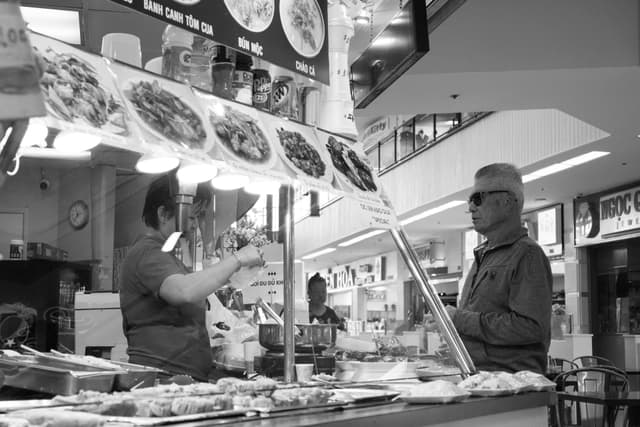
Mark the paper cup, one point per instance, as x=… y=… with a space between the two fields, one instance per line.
x=304 y=372
x=122 y=47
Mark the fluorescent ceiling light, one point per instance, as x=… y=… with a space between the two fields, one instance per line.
x=587 y=157
x=557 y=167
x=360 y=238
x=433 y=211
x=57 y=23
x=318 y=253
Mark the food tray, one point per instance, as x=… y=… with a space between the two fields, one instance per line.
x=435 y=399
x=136 y=375
x=53 y=380
x=490 y=392
x=360 y=395
x=156 y=421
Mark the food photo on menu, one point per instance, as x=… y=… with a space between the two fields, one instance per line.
x=254 y=15
x=164 y=110
x=77 y=87
x=350 y=166
x=240 y=133
x=300 y=153
x=303 y=24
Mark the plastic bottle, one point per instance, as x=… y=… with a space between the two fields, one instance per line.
x=243 y=79
x=200 y=74
x=176 y=53
x=222 y=73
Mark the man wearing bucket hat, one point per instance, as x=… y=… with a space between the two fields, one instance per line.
x=504 y=312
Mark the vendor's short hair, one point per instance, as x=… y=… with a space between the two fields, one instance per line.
x=316 y=279
x=161 y=192
x=507 y=176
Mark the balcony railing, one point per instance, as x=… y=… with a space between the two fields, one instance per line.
x=415 y=136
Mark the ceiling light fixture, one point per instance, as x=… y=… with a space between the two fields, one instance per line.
x=566 y=164
x=60 y=24
x=433 y=211
x=195 y=173
x=153 y=164
x=587 y=157
x=229 y=181
x=318 y=253
x=262 y=186
x=74 y=142
x=360 y=238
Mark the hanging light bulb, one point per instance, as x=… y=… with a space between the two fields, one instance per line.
x=73 y=141
x=150 y=163
x=229 y=181
x=262 y=186
x=194 y=173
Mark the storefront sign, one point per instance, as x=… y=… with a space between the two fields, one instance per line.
x=288 y=33
x=606 y=217
x=376 y=131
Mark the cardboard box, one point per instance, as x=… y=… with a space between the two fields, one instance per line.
x=39 y=250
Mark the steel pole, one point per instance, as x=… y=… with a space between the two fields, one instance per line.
x=288 y=255
x=431 y=298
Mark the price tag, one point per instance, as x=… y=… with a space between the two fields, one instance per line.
x=15 y=50
x=20 y=94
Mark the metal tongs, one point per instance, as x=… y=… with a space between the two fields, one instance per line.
x=271 y=312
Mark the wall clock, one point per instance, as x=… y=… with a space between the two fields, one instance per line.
x=78 y=214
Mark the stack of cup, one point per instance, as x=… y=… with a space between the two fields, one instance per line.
x=122 y=47
x=304 y=371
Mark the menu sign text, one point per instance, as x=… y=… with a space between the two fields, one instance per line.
x=289 y=33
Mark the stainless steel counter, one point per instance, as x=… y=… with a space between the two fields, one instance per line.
x=529 y=409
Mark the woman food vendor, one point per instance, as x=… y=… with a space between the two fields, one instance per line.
x=318 y=311
x=163 y=303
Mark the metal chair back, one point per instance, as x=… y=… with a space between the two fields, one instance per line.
x=592 y=379
x=588 y=361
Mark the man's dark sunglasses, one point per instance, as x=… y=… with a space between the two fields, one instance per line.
x=478 y=197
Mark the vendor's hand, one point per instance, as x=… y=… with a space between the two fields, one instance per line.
x=250 y=256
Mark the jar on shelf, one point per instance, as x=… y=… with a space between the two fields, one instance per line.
x=243 y=79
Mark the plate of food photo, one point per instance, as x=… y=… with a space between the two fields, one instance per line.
x=73 y=92
x=299 y=153
x=355 y=171
x=253 y=15
x=303 y=24
x=164 y=113
x=241 y=135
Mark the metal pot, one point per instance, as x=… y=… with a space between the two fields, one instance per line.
x=312 y=338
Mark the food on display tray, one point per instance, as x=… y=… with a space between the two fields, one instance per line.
x=538 y=382
x=165 y=113
x=438 y=391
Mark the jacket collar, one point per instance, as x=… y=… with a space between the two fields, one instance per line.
x=507 y=238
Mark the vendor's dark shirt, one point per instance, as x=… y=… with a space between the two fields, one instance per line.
x=328 y=317
x=169 y=337
x=504 y=313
